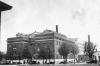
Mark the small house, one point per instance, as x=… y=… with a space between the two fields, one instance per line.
x=96 y=56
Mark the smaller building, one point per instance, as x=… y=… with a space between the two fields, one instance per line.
x=80 y=56
x=80 y=43
x=96 y=56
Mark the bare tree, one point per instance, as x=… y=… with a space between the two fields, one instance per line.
x=89 y=49
x=64 y=50
x=1 y=55
x=43 y=53
x=26 y=54
x=74 y=50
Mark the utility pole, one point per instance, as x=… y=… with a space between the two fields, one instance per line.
x=49 y=54
x=3 y=7
x=74 y=54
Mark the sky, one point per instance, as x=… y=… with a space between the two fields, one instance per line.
x=75 y=18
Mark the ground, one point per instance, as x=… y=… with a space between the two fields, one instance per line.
x=57 y=65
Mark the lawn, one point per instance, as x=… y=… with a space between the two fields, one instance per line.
x=57 y=65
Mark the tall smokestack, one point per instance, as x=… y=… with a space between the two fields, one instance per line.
x=57 y=28
x=88 y=39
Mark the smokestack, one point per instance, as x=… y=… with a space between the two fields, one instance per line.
x=57 y=28
x=96 y=50
x=88 y=39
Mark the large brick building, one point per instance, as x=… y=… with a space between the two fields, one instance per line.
x=48 y=38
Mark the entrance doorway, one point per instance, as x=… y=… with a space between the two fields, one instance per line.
x=99 y=58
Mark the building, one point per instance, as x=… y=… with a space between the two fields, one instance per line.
x=96 y=56
x=80 y=44
x=48 y=38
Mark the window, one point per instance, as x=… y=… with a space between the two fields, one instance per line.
x=57 y=56
x=19 y=45
x=38 y=44
x=9 y=45
x=95 y=58
x=15 y=52
x=31 y=44
x=14 y=46
x=57 y=43
x=34 y=44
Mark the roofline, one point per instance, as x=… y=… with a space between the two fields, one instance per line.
x=4 y=5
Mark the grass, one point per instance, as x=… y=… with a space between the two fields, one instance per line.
x=64 y=65
x=56 y=65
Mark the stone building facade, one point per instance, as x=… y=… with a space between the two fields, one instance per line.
x=48 y=38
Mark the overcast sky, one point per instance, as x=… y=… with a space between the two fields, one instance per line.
x=75 y=18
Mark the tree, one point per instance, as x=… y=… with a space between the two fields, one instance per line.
x=10 y=55
x=19 y=56
x=89 y=49
x=1 y=55
x=64 y=50
x=26 y=54
x=50 y=53
x=43 y=53
x=74 y=50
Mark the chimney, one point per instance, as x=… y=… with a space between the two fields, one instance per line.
x=88 y=39
x=96 y=50
x=57 y=28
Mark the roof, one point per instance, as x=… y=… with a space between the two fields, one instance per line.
x=48 y=31
x=41 y=33
x=4 y=6
x=97 y=53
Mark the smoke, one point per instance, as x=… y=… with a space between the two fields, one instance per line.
x=80 y=16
